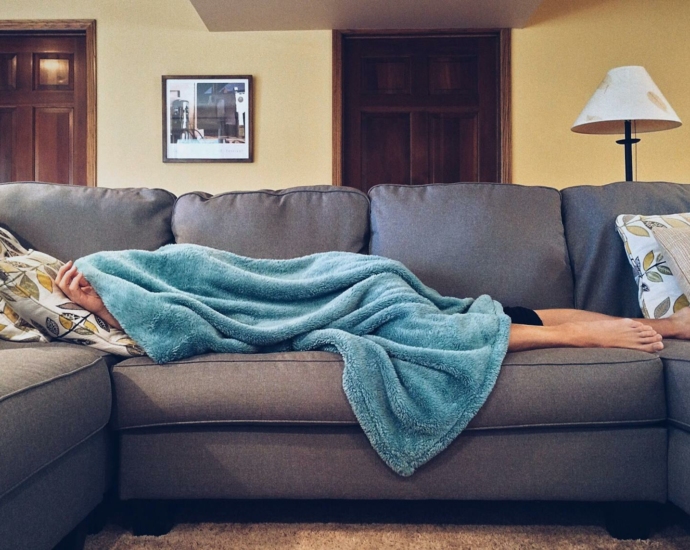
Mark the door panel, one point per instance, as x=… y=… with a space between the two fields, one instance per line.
x=453 y=148
x=7 y=169
x=386 y=75
x=385 y=148
x=53 y=71
x=53 y=144
x=453 y=74
x=8 y=72
x=420 y=109
x=43 y=85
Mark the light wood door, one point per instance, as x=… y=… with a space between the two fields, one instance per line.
x=421 y=109
x=43 y=112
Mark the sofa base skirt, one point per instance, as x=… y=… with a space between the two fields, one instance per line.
x=679 y=468
x=623 y=464
x=44 y=508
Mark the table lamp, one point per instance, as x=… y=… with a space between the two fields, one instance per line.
x=626 y=99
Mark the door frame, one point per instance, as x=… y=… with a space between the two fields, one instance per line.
x=86 y=27
x=504 y=90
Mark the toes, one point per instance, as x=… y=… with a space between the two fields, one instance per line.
x=653 y=347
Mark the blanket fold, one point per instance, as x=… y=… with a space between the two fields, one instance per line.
x=418 y=365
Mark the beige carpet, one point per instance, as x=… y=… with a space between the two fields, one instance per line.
x=388 y=525
x=331 y=536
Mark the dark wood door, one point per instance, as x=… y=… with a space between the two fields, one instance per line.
x=420 y=109
x=43 y=108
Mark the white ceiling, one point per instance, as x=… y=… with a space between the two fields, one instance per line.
x=265 y=15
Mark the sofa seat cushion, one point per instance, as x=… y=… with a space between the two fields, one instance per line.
x=272 y=388
x=575 y=387
x=52 y=397
x=676 y=359
x=7 y=344
x=558 y=387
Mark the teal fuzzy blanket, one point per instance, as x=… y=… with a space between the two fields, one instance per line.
x=418 y=366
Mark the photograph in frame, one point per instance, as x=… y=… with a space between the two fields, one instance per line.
x=207 y=119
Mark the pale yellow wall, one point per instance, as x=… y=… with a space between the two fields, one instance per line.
x=140 y=40
x=558 y=61
x=560 y=58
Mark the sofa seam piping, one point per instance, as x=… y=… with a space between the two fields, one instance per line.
x=580 y=364
x=277 y=193
x=493 y=183
x=147 y=365
x=53 y=460
x=225 y=361
x=301 y=423
x=50 y=380
x=678 y=424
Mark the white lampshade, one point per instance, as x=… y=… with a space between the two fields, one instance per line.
x=626 y=93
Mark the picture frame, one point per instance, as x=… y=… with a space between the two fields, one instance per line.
x=208 y=118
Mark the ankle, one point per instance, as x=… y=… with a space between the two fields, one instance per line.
x=668 y=328
x=570 y=334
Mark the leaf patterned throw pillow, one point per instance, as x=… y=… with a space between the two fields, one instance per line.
x=9 y=245
x=12 y=326
x=675 y=242
x=658 y=290
x=28 y=282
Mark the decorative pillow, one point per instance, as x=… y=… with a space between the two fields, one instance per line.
x=12 y=326
x=9 y=245
x=28 y=281
x=675 y=243
x=658 y=290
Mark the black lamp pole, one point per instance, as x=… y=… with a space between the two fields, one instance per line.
x=628 y=142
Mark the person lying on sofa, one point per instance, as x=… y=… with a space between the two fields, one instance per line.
x=417 y=366
x=530 y=329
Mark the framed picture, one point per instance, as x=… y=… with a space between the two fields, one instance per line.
x=207 y=119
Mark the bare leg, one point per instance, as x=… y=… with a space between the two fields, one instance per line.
x=676 y=326
x=552 y=317
x=606 y=333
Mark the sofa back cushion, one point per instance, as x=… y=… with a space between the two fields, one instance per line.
x=69 y=221
x=275 y=224
x=467 y=239
x=603 y=277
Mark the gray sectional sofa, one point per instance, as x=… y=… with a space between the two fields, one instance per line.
x=603 y=425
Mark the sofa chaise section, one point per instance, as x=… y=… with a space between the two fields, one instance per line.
x=55 y=399
x=55 y=458
x=676 y=357
x=604 y=283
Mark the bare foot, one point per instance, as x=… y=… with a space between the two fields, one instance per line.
x=680 y=324
x=616 y=333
